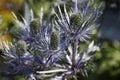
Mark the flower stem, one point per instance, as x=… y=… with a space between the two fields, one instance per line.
x=74 y=51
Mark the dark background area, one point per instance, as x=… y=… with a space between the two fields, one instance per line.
x=110 y=27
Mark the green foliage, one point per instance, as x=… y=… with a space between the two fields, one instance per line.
x=107 y=63
x=110 y=55
x=19 y=78
x=45 y=4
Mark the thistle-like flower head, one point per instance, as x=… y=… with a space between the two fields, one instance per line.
x=51 y=48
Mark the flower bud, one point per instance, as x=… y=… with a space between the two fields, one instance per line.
x=75 y=20
x=54 y=41
x=34 y=26
x=22 y=44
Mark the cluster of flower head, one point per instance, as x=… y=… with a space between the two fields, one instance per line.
x=51 y=48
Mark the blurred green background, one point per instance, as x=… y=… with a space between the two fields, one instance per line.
x=107 y=61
